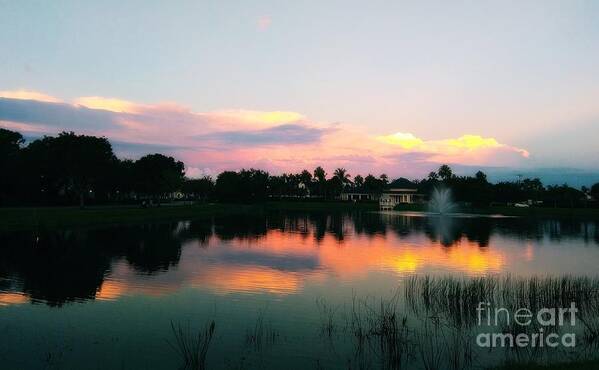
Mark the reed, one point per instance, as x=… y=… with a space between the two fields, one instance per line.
x=379 y=332
x=456 y=299
x=328 y=324
x=430 y=345
x=261 y=334
x=191 y=347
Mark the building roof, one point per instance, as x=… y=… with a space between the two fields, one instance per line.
x=403 y=184
x=400 y=190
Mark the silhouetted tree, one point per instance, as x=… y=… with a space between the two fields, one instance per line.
x=157 y=175
x=433 y=176
x=228 y=186
x=305 y=177
x=254 y=184
x=373 y=185
x=445 y=172
x=505 y=192
x=334 y=187
x=123 y=179
x=321 y=177
x=10 y=142
x=358 y=182
x=475 y=190
x=70 y=165
x=563 y=196
x=481 y=177
x=384 y=178
x=245 y=185
x=320 y=174
x=10 y=145
x=342 y=175
x=201 y=188
x=595 y=191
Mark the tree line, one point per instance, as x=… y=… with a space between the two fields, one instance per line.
x=478 y=191
x=70 y=169
x=79 y=169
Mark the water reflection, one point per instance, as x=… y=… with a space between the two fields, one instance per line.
x=281 y=253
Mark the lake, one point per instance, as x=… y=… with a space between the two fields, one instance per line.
x=294 y=290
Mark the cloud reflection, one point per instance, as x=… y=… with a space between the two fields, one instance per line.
x=277 y=254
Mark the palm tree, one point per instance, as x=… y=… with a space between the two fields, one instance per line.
x=305 y=177
x=320 y=174
x=445 y=172
x=342 y=174
x=358 y=181
x=321 y=178
x=433 y=176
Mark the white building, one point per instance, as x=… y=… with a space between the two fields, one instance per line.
x=358 y=196
x=394 y=196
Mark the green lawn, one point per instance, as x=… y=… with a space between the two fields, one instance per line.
x=28 y=218
x=57 y=217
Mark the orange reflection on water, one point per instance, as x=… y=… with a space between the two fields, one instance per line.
x=356 y=255
x=111 y=290
x=529 y=252
x=239 y=279
x=278 y=242
x=470 y=258
x=7 y=299
x=283 y=263
x=361 y=255
x=124 y=281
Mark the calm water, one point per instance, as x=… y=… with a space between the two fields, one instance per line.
x=106 y=298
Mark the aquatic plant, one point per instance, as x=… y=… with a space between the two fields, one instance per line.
x=589 y=316
x=192 y=347
x=260 y=334
x=430 y=344
x=447 y=296
x=327 y=317
x=456 y=298
x=379 y=331
x=393 y=336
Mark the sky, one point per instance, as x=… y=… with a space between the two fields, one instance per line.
x=385 y=86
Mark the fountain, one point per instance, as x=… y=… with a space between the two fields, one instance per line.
x=441 y=202
x=441 y=206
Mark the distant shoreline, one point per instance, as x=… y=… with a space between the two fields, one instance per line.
x=538 y=212
x=35 y=218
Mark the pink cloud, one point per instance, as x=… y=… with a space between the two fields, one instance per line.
x=263 y=23
x=28 y=95
x=209 y=142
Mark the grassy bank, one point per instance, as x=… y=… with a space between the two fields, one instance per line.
x=58 y=217
x=28 y=218
x=538 y=212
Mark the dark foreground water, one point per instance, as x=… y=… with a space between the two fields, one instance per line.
x=294 y=291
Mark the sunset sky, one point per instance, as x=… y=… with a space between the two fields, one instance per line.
x=390 y=86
